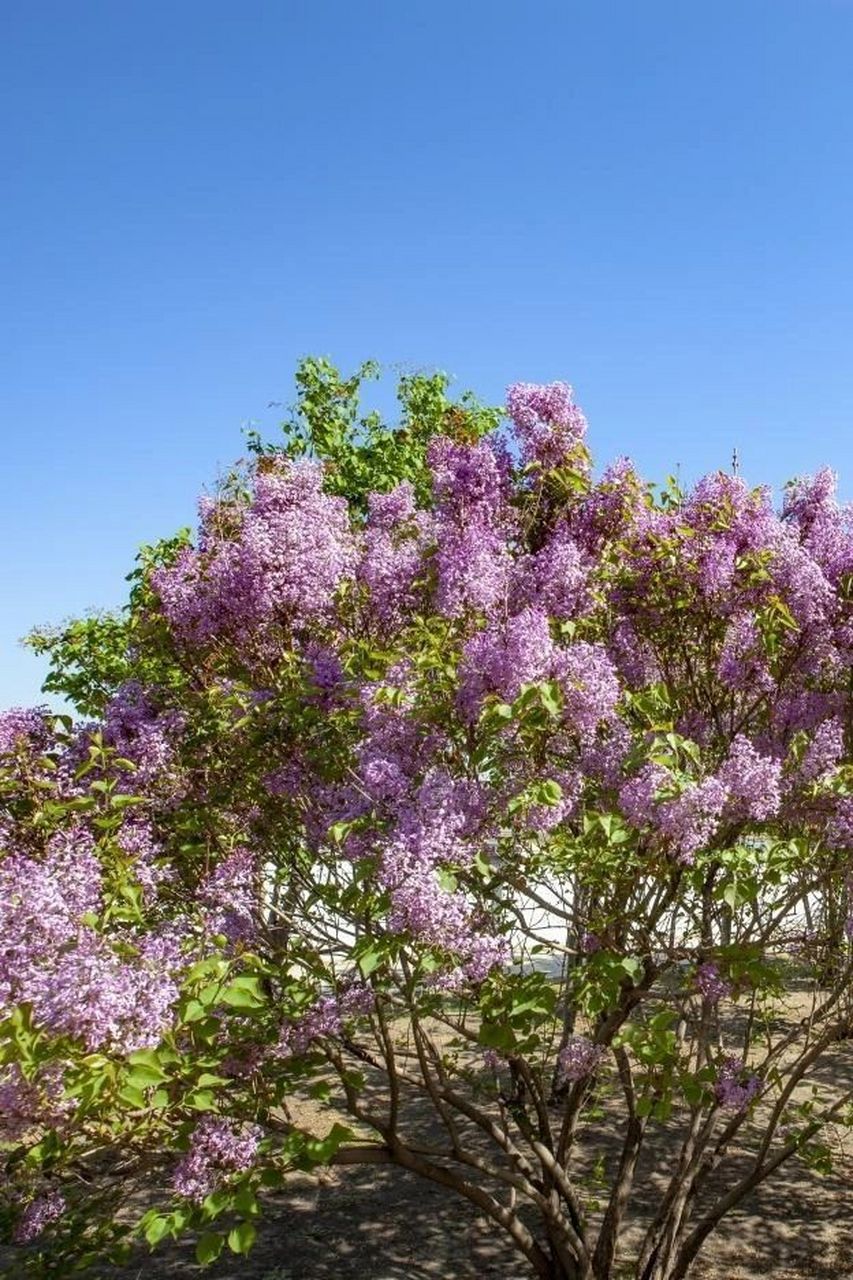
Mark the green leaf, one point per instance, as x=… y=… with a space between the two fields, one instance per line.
x=551 y=791
x=143 y=1076
x=369 y=960
x=156 y=1229
x=201 y=1100
x=241 y=1239
x=209 y=1248
x=244 y=992
x=134 y=1097
x=246 y=1202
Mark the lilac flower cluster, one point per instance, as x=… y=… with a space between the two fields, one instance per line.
x=472 y=526
x=26 y=1105
x=548 y=422
x=324 y=1019
x=710 y=984
x=279 y=559
x=632 y=656
x=685 y=819
x=589 y=684
x=229 y=897
x=752 y=781
x=504 y=657
x=554 y=579
x=77 y=984
x=614 y=507
x=39 y=1214
x=546 y=817
x=824 y=751
x=218 y=1149
x=23 y=727
x=41 y=905
x=94 y=995
x=138 y=731
x=140 y=842
x=736 y=1087
x=742 y=662
x=579 y=1058
x=395 y=541
x=501 y=659
x=824 y=526
x=434 y=830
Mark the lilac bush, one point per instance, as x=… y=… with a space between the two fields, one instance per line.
x=437 y=769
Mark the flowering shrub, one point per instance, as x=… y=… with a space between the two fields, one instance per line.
x=435 y=768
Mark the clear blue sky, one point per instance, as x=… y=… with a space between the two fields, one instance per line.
x=653 y=200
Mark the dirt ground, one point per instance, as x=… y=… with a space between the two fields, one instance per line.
x=377 y=1222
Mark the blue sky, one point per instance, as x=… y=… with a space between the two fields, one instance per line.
x=653 y=200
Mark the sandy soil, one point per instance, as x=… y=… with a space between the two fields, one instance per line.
x=376 y=1222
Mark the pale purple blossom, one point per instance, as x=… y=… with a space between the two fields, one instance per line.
x=547 y=421
x=579 y=1058
x=325 y=1018
x=752 y=782
x=685 y=817
x=229 y=897
x=710 y=984
x=23 y=727
x=279 y=559
x=396 y=538
x=472 y=525
x=218 y=1149
x=736 y=1087
x=39 y=1215
x=824 y=751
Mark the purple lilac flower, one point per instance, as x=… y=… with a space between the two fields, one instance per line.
x=23 y=727
x=394 y=747
x=839 y=833
x=501 y=659
x=632 y=656
x=139 y=841
x=41 y=907
x=742 y=663
x=710 y=984
x=326 y=672
x=107 y=1002
x=579 y=1058
x=548 y=423
x=217 y=1150
x=26 y=1104
x=824 y=751
x=395 y=541
x=229 y=897
x=686 y=821
x=590 y=686
x=546 y=817
x=736 y=1087
x=603 y=759
x=554 y=579
x=282 y=561
x=472 y=524
x=825 y=528
x=140 y=732
x=752 y=782
x=324 y=1019
x=610 y=508
x=38 y=1215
